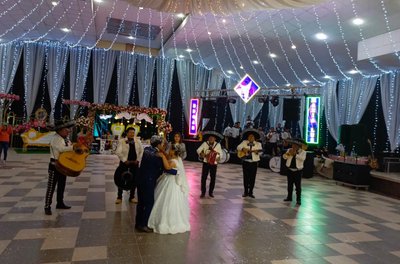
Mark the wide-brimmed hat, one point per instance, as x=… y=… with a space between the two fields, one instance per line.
x=298 y=141
x=60 y=125
x=250 y=131
x=207 y=134
x=124 y=178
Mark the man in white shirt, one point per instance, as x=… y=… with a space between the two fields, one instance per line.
x=130 y=153
x=273 y=138
x=228 y=136
x=211 y=151
x=286 y=135
x=58 y=144
x=235 y=131
x=249 y=123
x=251 y=149
x=295 y=158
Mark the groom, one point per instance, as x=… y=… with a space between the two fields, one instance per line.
x=146 y=179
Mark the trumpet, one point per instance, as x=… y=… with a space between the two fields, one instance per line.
x=287 y=155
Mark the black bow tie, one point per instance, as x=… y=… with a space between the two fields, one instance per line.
x=130 y=140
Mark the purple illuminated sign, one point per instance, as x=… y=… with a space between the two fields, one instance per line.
x=246 y=88
x=194 y=114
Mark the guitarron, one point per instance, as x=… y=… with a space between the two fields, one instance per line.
x=72 y=163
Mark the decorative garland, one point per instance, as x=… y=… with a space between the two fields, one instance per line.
x=27 y=127
x=10 y=97
x=73 y=102
x=130 y=109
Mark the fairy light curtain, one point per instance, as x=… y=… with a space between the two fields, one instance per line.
x=10 y=55
x=165 y=72
x=221 y=6
x=103 y=65
x=126 y=68
x=145 y=73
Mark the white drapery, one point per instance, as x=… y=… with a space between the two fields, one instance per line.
x=145 y=73
x=78 y=71
x=390 y=94
x=10 y=55
x=165 y=72
x=33 y=68
x=56 y=63
x=191 y=78
x=221 y=7
x=103 y=67
x=332 y=109
x=126 y=70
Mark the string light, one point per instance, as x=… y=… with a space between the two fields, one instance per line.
x=62 y=97
x=121 y=25
x=307 y=45
x=46 y=70
x=10 y=8
x=389 y=121
x=76 y=20
x=363 y=41
x=389 y=30
x=378 y=84
x=197 y=46
x=174 y=37
x=283 y=50
x=136 y=29
x=360 y=100
x=327 y=45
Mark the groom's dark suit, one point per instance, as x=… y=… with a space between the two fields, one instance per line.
x=146 y=179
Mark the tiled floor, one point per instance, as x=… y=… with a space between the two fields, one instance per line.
x=335 y=224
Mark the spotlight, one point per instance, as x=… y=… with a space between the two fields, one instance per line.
x=262 y=100
x=358 y=21
x=321 y=36
x=275 y=101
x=231 y=101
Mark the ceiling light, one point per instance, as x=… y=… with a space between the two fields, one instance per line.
x=358 y=21
x=272 y=55
x=209 y=33
x=353 y=72
x=293 y=47
x=98 y=1
x=288 y=84
x=327 y=77
x=255 y=62
x=230 y=72
x=140 y=8
x=54 y=3
x=181 y=15
x=241 y=67
x=223 y=21
x=66 y=29
x=130 y=37
x=189 y=50
x=181 y=56
x=305 y=81
x=321 y=36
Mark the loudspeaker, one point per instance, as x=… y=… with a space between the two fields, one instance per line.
x=209 y=109
x=344 y=134
x=291 y=109
x=358 y=135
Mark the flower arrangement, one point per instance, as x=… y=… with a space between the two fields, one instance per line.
x=130 y=109
x=10 y=97
x=27 y=127
x=85 y=122
x=165 y=127
x=74 y=102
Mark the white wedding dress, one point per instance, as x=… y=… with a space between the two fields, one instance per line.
x=171 y=211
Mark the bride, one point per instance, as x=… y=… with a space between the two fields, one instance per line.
x=171 y=211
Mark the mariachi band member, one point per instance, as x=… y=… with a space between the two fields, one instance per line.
x=211 y=151
x=58 y=144
x=273 y=139
x=251 y=149
x=295 y=158
x=130 y=152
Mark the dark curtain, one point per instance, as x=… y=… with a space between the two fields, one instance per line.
x=175 y=114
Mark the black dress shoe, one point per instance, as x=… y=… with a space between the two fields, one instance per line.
x=252 y=196
x=245 y=195
x=287 y=200
x=211 y=195
x=146 y=229
x=298 y=202
x=63 y=206
x=202 y=195
x=47 y=211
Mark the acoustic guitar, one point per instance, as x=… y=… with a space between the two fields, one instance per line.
x=243 y=155
x=72 y=163
x=372 y=161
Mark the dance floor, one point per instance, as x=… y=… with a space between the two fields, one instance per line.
x=334 y=224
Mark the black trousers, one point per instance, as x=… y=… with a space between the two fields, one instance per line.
x=144 y=205
x=55 y=178
x=4 y=147
x=204 y=173
x=133 y=169
x=249 y=176
x=294 y=177
x=274 y=148
x=233 y=143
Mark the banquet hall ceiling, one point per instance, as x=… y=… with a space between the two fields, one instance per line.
x=220 y=40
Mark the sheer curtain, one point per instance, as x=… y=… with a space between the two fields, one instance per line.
x=103 y=67
x=56 y=61
x=33 y=69
x=126 y=69
x=145 y=66
x=390 y=96
x=332 y=109
x=78 y=71
x=165 y=72
x=191 y=79
x=10 y=55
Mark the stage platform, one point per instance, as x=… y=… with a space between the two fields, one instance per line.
x=386 y=183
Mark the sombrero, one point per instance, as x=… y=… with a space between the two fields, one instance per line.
x=250 y=131
x=207 y=134
x=123 y=178
x=298 y=141
x=60 y=125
